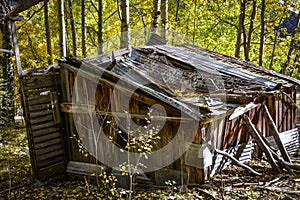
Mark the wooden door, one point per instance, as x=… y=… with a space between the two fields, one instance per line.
x=40 y=97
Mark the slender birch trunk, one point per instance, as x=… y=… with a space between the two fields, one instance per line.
x=100 y=27
x=262 y=33
x=83 y=27
x=125 y=26
x=8 y=72
x=62 y=29
x=73 y=29
x=155 y=15
x=275 y=44
x=195 y=24
x=251 y=29
x=164 y=19
x=238 y=43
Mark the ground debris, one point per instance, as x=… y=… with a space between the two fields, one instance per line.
x=234 y=182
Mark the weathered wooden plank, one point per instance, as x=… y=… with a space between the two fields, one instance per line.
x=55 y=107
x=42 y=164
x=280 y=116
x=284 y=113
x=68 y=118
x=45 y=131
x=41 y=119
x=221 y=133
x=29 y=80
x=48 y=136
x=58 y=152
x=50 y=70
x=40 y=114
x=42 y=126
x=58 y=169
x=242 y=110
x=38 y=100
x=38 y=92
x=48 y=149
x=84 y=109
x=276 y=108
x=84 y=169
x=44 y=144
x=40 y=85
x=40 y=107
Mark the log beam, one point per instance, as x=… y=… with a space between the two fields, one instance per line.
x=262 y=145
x=275 y=133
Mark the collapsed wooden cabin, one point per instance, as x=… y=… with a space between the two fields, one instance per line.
x=203 y=99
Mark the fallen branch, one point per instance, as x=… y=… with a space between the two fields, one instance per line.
x=278 y=190
x=11 y=188
x=207 y=193
x=274 y=181
x=244 y=184
x=237 y=162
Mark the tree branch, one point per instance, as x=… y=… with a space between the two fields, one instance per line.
x=237 y=162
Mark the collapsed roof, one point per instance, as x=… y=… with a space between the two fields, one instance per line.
x=198 y=82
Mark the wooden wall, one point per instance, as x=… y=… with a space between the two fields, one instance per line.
x=221 y=133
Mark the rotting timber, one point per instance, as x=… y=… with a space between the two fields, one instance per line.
x=189 y=83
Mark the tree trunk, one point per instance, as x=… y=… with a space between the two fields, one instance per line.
x=262 y=33
x=292 y=45
x=195 y=25
x=244 y=28
x=164 y=19
x=13 y=7
x=8 y=73
x=62 y=29
x=240 y=30
x=274 y=44
x=48 y=36
x=125 y=27
x=73 y=30
x=251 y=29
x=83 y=27
x=155 y=15
x=100 y=27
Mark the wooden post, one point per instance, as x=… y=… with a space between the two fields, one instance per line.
x=275 y=134
x=16 y=48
